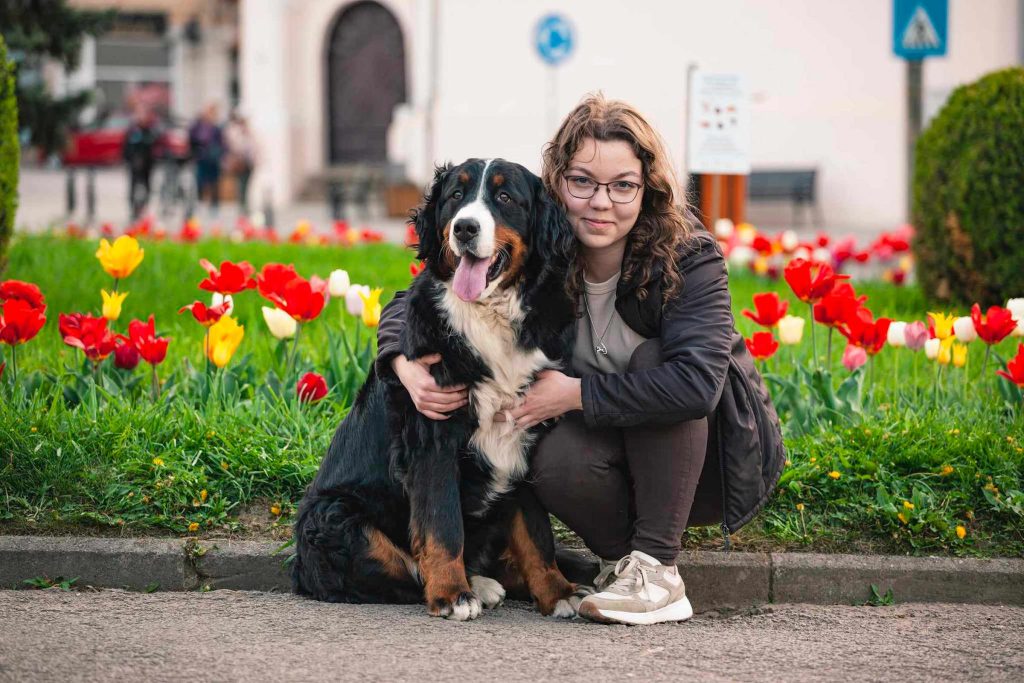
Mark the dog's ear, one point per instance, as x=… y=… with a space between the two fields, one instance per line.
x=552 y=234
x=424 y=217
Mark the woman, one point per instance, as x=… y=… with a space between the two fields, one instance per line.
x=666 y=421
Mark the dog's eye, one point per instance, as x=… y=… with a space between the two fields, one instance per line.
x=504 y=197
x=457 y=194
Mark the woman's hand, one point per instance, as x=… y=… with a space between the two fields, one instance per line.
x=551 y=395
x=430 y=399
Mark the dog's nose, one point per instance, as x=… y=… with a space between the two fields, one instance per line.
x=466 y=229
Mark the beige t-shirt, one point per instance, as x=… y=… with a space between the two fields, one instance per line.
x=617 y=337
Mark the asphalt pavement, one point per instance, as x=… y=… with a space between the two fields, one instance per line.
x=234 y=636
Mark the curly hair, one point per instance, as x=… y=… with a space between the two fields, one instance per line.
x=662 y=226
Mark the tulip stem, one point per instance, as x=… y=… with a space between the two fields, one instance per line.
x=206 y=352
x=295 y=350
x=156 y=386
x=984 y=365
x=814 y=346
x=14 y=366
x=828 y=358
x=116 y=280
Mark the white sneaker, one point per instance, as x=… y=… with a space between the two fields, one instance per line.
x=638 y=590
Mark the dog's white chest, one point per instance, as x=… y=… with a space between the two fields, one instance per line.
x=489 y=330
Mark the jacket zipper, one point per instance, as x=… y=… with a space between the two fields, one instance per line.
x=721 y=469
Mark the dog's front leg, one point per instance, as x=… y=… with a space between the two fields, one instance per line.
x=438 y=536
x=532 y=547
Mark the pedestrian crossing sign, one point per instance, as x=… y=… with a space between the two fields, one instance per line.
x=920 y=28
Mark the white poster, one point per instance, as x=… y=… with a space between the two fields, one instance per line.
x=718 y=136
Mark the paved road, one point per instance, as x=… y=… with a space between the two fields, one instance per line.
x=227 y=635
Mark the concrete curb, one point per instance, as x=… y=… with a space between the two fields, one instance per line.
x=714 y=580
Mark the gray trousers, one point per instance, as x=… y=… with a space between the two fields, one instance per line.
x=628 y=488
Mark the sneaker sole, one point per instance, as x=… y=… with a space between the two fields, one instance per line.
x=680 y=610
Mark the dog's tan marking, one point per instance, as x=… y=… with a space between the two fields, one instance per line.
x=545 y=581
x=463 y=177
x=498 y=180
x=396 y=563
x=512 y=243
x=444 y=576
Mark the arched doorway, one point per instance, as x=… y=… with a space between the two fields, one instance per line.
x=365 y=80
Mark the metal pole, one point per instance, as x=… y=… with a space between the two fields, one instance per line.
x=688 y=186
x=90 y=195
x=71 y=191
x=914 y=118
x=435 y=69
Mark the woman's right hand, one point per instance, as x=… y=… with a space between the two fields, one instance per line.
x=431 y=400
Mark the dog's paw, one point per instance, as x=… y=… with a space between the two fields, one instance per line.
x=463 y=607
x=489 y=591
x=569 y=607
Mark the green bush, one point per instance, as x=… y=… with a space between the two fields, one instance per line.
x=969 y=194
x=9 y=153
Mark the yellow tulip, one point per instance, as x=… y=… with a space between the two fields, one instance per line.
x=959 y=355
x=121 y=258
x=112 y=304
x=946 y=351
x=943 y=324
x=223 y=339
x=371 y=307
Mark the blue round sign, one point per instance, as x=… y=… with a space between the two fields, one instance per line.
x=554 y=38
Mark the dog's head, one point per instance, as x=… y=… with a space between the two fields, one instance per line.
x=488 y=224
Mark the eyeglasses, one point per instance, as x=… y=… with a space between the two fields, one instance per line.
x=619 y=191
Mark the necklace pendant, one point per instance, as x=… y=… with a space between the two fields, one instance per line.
x=601 y=348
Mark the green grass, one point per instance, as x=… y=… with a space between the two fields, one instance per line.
x=75 y=456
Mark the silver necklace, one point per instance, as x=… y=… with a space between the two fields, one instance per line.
x=599 y=347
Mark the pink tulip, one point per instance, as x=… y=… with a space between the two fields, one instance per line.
x=854 y=357
x=916 y=335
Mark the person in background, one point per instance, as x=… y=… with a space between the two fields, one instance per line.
x=241 y=156
x=139 y=153
x=207 y=142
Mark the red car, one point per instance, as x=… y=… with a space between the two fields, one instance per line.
x=101 y=143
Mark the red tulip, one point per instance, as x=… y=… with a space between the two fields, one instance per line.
x=206 y=315
x=153 y=349
x=861 y=329
x=807 y=287
x=838 y=305
x=20 y=321
x=230 y=279
x=1016 y=368
x=126 y=356
x=762 y=345
x=368 y=235
x=311 y=387
x=769 y=309
x=292 y=293
x=23 y=291
x=90 y=334
x=273 y=278
x=417 y=268
x=994 y=326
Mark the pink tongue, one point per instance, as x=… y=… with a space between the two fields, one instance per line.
x=470 y=277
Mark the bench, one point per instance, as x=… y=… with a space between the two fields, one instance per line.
x=796 y=185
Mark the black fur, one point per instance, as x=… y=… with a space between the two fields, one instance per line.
x=392 y=469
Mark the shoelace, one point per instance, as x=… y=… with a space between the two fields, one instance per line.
x=629 y=571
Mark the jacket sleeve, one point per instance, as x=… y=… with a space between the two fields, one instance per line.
x=696 y=332
x=389 y=331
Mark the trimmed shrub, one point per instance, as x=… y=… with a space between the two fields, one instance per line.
x=969 y=194
x=9 y=153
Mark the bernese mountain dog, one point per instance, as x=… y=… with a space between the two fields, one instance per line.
x=406 y=509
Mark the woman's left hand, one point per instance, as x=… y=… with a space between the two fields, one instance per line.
x=551 y=395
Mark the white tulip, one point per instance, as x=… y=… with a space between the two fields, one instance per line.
x=791 y=329
x=281 y=325
x=354 y=302
x=789 y=241
x=338 y=283
x=897 y=334
x=822 y=255
x=1016 y=307
x=931 y=348
x=964 y=330
x=741 y=255
x=802 y=252
x=724 y=228
x=219 y=298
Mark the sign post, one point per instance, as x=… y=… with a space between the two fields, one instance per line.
x=554 y=39
x=920 y=29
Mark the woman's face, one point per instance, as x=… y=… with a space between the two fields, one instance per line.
x=600 y=223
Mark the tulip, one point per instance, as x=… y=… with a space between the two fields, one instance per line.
x=854 y=357
x=273 y=278
x=811 y=281
x=282 y=325
x=311 y=387
x=724 y=229
x=25 y=291
x=205 y=316
x=20 y=321
x=791 y=329
x=931 y=348
x=219 y=299
x=371 y=307
x=916 y=335
x=963 y=329
x=126 y=356
x=1014 y=306
x=121 y=258
x=300 y=299
x=741 y=255
x=897 y=334
x=153 y=349
x=90 y=334
x=946 y=351
x=959 y=355
x=1015 y=366
x=338 y=283
x=942 y=325
x=861 y=329
x=746 y=233
x=417 y=268
x=769 y=309
x=223 y=340
x=789 y=241
x=354 y=299
x=112 y=304
x=230 y=279
x=838 y=305
x=762 y=345
x=995 y=326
